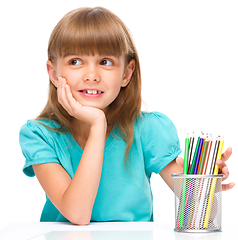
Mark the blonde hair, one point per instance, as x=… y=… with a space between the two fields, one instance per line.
x=90 y=31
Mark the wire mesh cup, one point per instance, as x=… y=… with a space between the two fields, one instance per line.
x=197 y=202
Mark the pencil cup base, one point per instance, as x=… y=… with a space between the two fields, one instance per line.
x=197 y=231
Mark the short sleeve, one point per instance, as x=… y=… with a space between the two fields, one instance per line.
x=37 y=146
x=160 y=141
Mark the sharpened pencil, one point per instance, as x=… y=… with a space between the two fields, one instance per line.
x=185 y=170
x=203 y=155
x=207 y=155
x=214 y=156
x=185 y=163
x=198 y=154
x=194 y=157
x=191 y=141
x=213 y=186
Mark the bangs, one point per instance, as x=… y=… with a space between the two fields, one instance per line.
x=89 y=32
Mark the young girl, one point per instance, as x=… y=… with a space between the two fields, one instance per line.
x=91 y=148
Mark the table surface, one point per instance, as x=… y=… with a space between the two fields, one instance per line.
x=104 y=231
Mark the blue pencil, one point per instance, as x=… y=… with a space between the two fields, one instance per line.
x=198 y=154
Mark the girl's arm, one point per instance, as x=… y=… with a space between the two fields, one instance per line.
x=171 y=168
x=74 y=198
x=176 y=166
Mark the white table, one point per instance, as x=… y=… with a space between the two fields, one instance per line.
x=105 y=231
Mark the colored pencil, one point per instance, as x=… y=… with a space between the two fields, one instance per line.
x=189 y=195
x=191 y=141
x=198 y=155
x=186 y=152
x=194 y=157
x=209 y=181
x=213 y=185
x=212 y=167
x=185 y=170
x=216 y=170
x=203 y=155
x=207 y=156
x=202 y=191
x=201 y=201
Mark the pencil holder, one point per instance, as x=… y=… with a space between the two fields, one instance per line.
x=198 y=200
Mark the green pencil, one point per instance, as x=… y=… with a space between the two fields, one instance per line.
x=194 y=157
x=185 y=170
x=185 y=163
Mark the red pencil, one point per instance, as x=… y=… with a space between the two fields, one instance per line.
x=207 y=156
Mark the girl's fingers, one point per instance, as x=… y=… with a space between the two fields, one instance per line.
x=228 y=186
x=225 y=156
x=62 y=98
x=74 y=105
x=180 y=161
x=221 y=165
x=223 y=169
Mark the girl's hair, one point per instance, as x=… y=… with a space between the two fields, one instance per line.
x=90 y=31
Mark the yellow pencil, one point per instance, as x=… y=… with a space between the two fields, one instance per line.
x=219 y=155
x=213 y=185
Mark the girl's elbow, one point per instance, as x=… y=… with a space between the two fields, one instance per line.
x=79 y=220
x=77 y=215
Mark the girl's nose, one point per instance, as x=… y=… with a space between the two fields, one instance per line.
x=91 y=75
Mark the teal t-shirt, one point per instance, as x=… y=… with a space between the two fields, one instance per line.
x=123 y=194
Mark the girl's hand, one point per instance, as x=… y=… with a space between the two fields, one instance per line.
x=86 y=114
x=221 y=164
x=223 y=169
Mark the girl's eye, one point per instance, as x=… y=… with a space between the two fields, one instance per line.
x=75 y=62
x=106 y=62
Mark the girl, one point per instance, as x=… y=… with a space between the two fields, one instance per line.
x=91 y=148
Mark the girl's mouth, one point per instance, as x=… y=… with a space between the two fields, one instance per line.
x=94 y=92
x=91 y=93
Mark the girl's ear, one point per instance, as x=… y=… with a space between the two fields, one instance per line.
x=52 y=73
x=128 y=73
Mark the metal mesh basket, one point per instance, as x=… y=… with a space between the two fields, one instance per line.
x=197 y=202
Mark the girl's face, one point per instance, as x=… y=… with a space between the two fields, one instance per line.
x=94 y=80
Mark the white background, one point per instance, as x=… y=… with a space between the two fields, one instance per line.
x=189 y=55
